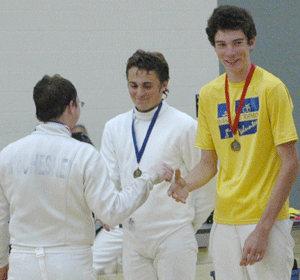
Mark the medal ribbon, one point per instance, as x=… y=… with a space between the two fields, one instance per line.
x=241 y=103
x=138 y=153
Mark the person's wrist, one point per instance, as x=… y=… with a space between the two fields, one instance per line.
x=154 y=176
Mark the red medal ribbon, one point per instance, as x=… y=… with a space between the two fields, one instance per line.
x=241 y=103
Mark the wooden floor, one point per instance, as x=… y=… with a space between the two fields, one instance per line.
x=204 y=262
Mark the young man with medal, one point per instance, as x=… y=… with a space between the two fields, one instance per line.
x=245 y=123
x=131 y=143
x=50 y=184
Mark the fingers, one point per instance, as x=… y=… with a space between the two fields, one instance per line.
x=175 y=196
x=177 y=174
x=169 y=173
x=180 y=199
x=180 y=194
x=175 y=185
x=170 y=191
x=164 y=171
x=250 y=258
x=178 y=190
x=105 y=226
x=253 y=259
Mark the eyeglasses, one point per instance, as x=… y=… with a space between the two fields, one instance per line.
x=81 y=104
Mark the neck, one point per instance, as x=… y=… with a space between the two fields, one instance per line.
x=240 y=76
x=57 y=121
x=148 y=110
x=64 y=121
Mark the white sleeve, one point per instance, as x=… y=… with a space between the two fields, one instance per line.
x=4 y=234
x=109 y=156
x=109 y=205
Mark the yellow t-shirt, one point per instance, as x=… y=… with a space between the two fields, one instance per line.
x=246 y=177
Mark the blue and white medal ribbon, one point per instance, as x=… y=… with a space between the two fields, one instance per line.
x=139 y=153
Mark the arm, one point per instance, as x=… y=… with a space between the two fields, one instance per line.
x=4 y=234
x=108 y=153
x=256 y=244
x=200 y=175
x=110 y=205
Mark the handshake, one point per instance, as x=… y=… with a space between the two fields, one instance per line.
x=178 y=189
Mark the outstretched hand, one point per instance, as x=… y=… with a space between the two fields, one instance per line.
x=178 y=190
x=164 y=171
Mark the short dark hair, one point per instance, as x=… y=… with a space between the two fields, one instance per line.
x=149 y=61
x=80 y=127
x=228 y=17
x=81 y=136
x=51 y=96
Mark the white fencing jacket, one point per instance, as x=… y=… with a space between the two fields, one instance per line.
x=51 y=183
x=172 y=140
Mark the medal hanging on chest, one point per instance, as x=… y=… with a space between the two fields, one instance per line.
x=235 y=145
x=137 y=173
x=139 y=153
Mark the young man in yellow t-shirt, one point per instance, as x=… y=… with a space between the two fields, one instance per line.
x=245 y=123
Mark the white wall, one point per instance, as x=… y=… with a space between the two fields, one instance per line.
x=89 y=42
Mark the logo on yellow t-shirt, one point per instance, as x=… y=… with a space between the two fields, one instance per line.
x=248 y=118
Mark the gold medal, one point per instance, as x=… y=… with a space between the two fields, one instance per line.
x=137 y=173
x=235 y=146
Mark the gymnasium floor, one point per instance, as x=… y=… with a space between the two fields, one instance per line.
x=204 y=263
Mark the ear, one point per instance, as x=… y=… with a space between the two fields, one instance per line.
x=71 y=107
x=252 y=43
x=164 y=86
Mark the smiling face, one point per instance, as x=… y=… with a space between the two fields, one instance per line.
x=233 y=50
x=145 y=89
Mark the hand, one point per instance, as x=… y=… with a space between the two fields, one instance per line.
x=255 y=247
x=178 y=190
x=164 y=172
x=105 y=226
x=3 y=272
